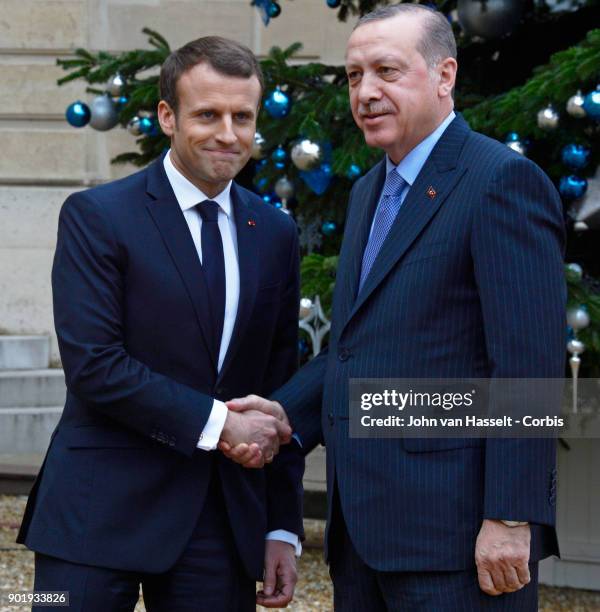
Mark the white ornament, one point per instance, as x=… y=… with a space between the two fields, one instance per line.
x=578 y=318
x=133 y=126
x=258 y=146
x=575 y=106
x=306 y=154
x=284 y=188
x=548 y=118
x=115 y=85
x=306 y=307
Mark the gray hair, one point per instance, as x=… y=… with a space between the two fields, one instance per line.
x=437 y=39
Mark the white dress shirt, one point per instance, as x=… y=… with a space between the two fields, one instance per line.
x=189 y=196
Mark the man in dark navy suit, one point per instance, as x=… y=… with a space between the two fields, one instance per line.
x=451 y=267
x=174 y=289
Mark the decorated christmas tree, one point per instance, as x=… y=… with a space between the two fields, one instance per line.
x=529 y=75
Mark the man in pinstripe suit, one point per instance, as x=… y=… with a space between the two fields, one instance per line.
x=451 y=267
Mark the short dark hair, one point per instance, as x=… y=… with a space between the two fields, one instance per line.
x=437 y=40
x=223 y=55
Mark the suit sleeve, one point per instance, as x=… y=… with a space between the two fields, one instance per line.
x=88 y=294
x=517 y=248
x=284 y=476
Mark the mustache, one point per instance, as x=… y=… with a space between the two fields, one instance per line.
x=379 y=107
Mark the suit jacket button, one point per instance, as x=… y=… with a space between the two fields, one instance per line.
x=344 y=354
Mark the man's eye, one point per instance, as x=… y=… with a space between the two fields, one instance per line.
x=242 y=117
x=207 y=114
x=385 y=70
x=353 y=76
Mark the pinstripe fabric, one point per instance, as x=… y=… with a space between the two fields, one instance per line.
x=384 y=218
x=468 y=283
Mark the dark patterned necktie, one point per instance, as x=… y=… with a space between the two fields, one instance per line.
x=213 y=264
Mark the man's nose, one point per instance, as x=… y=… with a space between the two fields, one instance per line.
x=226 y=133
x=368 y=89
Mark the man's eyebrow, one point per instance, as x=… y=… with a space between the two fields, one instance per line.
x=382 y=59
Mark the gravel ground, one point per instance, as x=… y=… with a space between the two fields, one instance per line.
x=313 y=592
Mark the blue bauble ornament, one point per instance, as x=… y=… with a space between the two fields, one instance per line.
x=575 y=156
x=78 y=114
x=353 y=172
x=267 y=198
x=591 y=104
x=279 y=155
x=329 y=228
x=149 y=126
x=120 y=102
x=333 y=3
x=262 y=183
x=512 y=137
x=572 y=187
x=274 y=10
x=278 y=104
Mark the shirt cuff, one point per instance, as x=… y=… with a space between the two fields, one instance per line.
x=209 y=438
x=286 y=536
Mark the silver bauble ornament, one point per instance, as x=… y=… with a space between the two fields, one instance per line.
x=258 y=146
x=575 y=106
x=284 y=188
x=306 y=154
x=104 y=113
x=547 y=118
x=576 y=270
x=578 y=318
x=488 y=18
x=306 y=307
x=575 y=347
x=115 y=85
x=518 y=146
x=133 y=126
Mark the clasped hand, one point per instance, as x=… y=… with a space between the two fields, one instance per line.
x=253 y=431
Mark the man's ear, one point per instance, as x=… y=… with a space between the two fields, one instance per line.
x=166 y=118
x=447 y=74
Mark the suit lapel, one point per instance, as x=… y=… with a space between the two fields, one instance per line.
x=440 y=172
x=355 y=240
x=248 y=232
x=175 y=232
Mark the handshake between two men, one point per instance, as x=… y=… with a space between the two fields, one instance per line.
x=254 y=429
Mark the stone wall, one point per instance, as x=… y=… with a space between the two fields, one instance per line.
x=44 y=159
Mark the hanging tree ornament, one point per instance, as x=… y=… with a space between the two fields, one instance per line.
x=353 y=172
x=329 y=228
x=575 y=106
x=78 y=114
x=547 y=118
x=258 y=146
x=575 y=156
x=575 y=269
x=591 y=104
x=306 y=154
x=572 y=187
x=149 y=126
x=306 y=307
x=274 y=10
x=513 y=141
x=488 y=18
x=284 y=188
x=115 y=85
x=575 y=347
x=104 y=113
x=333 y=3
x=279 y=156
x=578 y=318
x=133 y=126
x=278 y=104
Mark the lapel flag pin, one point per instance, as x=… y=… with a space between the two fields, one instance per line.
x=251 y=222
x=431 y=192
